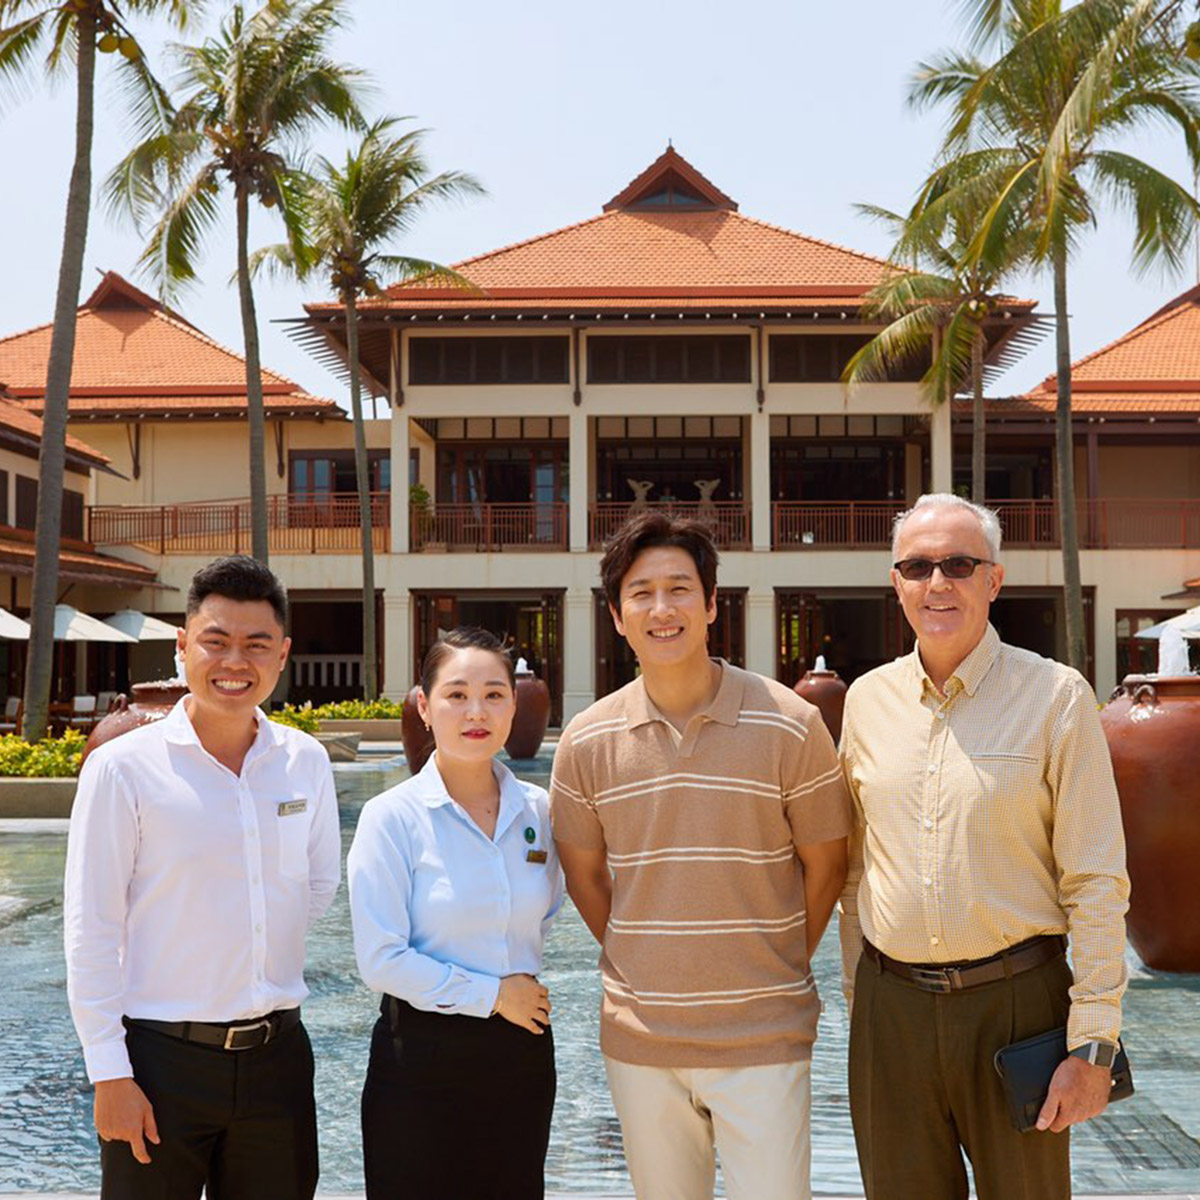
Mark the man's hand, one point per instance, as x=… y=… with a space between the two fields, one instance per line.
x=523 y=1001
x=123 y=1114
x=1078 y=1092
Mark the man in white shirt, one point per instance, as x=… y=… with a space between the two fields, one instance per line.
x=201 y=849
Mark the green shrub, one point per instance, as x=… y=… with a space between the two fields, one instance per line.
x=361 y=710
x=305 y=718
x=53 y=758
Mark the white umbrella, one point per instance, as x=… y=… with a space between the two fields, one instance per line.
x=1188 y=623
x=70 y=625
x=141 y=627
x=13 y=629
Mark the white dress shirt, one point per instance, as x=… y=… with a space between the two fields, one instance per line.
x=188 y=888
x=441 y=911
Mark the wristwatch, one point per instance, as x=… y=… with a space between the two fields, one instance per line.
x=1099 y=1054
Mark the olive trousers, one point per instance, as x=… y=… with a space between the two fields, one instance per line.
x=924 y=1091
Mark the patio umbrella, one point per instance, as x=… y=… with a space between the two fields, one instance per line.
x=13 y=629
x=70 y=625
x=1187 y=623
x=141 y=627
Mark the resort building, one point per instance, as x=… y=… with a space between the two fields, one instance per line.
x=668 y=352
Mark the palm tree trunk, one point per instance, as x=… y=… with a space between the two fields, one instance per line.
x=362 y=479
x=259 y=538
x=1065 y=470
x=39 y=664
x=978 y=422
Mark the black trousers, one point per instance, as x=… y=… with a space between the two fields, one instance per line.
x=455 y=1108
x=243 y=1122
x=923 y=1088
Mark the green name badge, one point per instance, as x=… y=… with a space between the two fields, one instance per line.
x=536 y=856
x=290 y=808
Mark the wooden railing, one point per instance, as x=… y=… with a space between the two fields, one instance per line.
x=1112 y=524
x=300 y=524
x=848 y=524
x=327 y=671
x=728 y=519
x=484 y=527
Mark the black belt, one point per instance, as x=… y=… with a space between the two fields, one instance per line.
x=953 y=977
x=238 y=1035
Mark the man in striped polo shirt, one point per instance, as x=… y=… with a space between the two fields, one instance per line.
x=701 y=819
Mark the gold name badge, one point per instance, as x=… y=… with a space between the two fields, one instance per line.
x=536 y=856
x=289 y=808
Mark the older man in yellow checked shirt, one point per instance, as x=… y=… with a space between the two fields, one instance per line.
x=987 y=831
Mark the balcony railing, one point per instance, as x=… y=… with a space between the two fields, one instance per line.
x=300 y=524
x=1112 y=524
x=729 y=519
x=846 y=524
x=486 y=527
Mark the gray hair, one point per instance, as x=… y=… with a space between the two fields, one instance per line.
x=989 y=522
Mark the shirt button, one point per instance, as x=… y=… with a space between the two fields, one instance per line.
x=927 y=881
x=932 y=768
x=941 y=716
x=933 y=941
x=928 y=823
x=258 y=929
x=254 y=879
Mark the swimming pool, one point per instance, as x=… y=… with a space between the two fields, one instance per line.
x=1148 y=1144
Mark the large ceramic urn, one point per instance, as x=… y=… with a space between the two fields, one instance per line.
x=147 y=703
x=1152 y=724
x=532 y=716
x=827 y=690
x=417 y=740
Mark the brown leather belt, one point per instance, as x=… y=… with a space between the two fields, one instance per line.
x=953 y=977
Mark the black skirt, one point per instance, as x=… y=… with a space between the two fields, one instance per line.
x=455 y=1108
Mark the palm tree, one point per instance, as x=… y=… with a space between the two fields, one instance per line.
x=1031 y=142
x=350 y=212
x=251 y=95
x=938 y=301
x=68 y=29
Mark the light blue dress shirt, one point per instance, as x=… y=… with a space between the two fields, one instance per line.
x=441 y=911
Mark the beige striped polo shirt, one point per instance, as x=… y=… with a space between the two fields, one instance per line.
x=704 y=961
x=983 y=817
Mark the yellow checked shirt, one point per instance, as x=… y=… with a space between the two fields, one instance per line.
x=985 y=817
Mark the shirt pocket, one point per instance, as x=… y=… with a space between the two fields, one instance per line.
x=292 y=824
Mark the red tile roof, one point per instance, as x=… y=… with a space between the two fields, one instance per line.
x=1154 y=368
x=16 y=418
x=78 y=566
x=130 y=347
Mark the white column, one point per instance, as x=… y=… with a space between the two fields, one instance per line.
x=759 y=489
x=941 y=449
x=579 y=460
x=399 y=673
x=760 y=632
x=579 y=652
x=399 y=499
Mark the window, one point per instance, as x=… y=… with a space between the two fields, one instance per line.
x=685 y=359
x=3 y=497
x=27 y=502
x=472 y=360
x=320 y=472
x=72 y=514
x=822 y=357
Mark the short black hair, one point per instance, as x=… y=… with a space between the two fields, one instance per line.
x=653 y=528
x=465 y=637
x=238 y=577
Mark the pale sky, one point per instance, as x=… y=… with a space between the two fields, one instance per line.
x=795 y=109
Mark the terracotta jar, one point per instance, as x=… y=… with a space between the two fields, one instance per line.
x=827 y=690
x=532 y=716
x=417 y=740
x=150 y=702
x=1152 y=724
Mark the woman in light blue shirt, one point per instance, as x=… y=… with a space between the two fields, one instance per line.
x=454 y=884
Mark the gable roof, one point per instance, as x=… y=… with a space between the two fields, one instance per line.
x=136 y=357
x=670 y=168
x=1154 y=368
x=24 y=429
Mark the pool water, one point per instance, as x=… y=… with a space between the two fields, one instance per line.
x=1148 y=1144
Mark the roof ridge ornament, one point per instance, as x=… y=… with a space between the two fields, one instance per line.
x=671 y=182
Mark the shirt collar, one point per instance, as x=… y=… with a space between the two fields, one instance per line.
x=723 y=708
x=431 y=790
x=973 y=669
x=177 y=727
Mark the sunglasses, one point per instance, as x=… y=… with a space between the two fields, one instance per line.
x=957 y=566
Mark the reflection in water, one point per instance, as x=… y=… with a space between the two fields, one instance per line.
x=1148 y=1144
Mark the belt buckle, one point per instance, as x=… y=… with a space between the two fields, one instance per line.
x=933 y=979
x=234 y=1030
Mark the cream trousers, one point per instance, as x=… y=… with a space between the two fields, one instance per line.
x=755 y=1118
